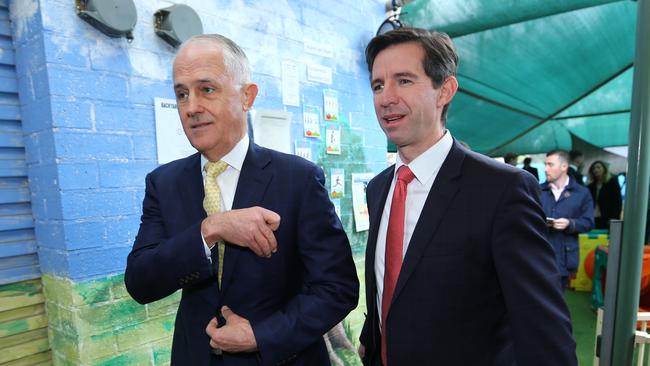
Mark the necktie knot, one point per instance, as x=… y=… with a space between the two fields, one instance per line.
x=214 y=168
x=405 y=174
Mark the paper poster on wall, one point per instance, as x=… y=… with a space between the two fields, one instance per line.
x=333 y=138
x=171 y=142
x=337 y=206
x=337 y=183
x=331 y=105
x=303 y=149
x=360 y=207
x=290 y=83
x=319 y=74
x=311 y=120
x=271 y=129
x=318 y=48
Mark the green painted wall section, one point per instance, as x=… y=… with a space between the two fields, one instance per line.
x=23 y=324
x=97 y=323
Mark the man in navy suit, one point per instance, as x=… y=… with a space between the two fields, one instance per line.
x=456 y=240
x=288 y=274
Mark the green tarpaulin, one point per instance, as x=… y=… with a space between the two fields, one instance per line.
x=533 y=72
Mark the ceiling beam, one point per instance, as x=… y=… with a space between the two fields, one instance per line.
x=498 y=104
x=597 y=114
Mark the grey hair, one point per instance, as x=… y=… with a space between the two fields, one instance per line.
x=234 y=58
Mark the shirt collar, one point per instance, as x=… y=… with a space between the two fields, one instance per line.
x=557 y=188
x=427 y=164
x=235 y=157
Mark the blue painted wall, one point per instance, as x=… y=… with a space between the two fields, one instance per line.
x=87 y=108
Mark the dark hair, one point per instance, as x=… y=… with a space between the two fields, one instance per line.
x=527 y=160
x=510 y=158
x=574 y=154
x=606 y=174
x=440 y=57
x=562 y=154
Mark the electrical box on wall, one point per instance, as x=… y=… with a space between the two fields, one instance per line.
x=177 y=23
x=115 y=18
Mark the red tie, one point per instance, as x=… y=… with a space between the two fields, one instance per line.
x=394 y=246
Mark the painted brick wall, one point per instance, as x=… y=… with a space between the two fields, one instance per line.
x=87 y=107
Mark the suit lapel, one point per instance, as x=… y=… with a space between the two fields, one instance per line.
x=254 y=179
x=440 y=197
x=375 y=210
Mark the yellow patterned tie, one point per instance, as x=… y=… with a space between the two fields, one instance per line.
x=212 y=202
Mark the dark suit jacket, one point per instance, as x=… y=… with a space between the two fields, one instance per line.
x=572 y=172
x=609 y=200
x=290 y=299
x=532 y=171
x=479 y=284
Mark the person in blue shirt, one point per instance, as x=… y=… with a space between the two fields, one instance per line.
x=569 y=210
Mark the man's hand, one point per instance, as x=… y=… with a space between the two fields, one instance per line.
x=236 y=336
x=248 y=227
x=560 y=224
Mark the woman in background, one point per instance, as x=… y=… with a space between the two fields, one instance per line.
x=606 y=194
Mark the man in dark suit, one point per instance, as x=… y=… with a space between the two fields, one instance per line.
x=272 y=256
x=530 y=169
x=576 y=160
x=457 y=240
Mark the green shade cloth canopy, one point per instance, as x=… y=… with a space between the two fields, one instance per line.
x=533 y=72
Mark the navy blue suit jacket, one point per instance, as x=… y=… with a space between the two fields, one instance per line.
x=575 y=204
x=290 y=299
x=479 y=284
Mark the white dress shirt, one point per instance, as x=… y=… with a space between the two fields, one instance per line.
x=425 y=168
x=227 y=180
x=557 y=189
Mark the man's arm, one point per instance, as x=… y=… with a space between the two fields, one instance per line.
x=525 y=263
x=330 y=286
x=585 y=221
x=159 y=265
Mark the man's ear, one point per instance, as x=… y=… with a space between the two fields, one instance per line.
x=248 y=95
x=447 y=91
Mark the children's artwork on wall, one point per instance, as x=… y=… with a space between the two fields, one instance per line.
x=311 y=121
x=303 y=150
x=337 y=183
x=337 y=206
x=331 y=105
x=333 y=138
x=359 y=185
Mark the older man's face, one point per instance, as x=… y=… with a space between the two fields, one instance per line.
x=211 y=102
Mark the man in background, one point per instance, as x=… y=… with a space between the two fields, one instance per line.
x=576 y=161
x=532 y=170
x=245 y=232
x=456 y=251
x=569 y=211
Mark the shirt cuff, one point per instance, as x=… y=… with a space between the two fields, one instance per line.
x=207 y=249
